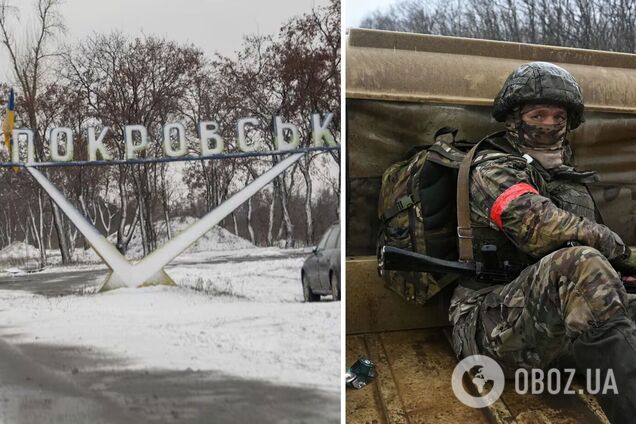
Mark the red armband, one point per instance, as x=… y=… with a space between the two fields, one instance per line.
x=505 y=198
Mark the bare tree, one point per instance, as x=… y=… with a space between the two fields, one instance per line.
x=308 y=56
x=28 y=62
x=291 y=75
x=143 y=81
x=592 y=24
x=112 y=81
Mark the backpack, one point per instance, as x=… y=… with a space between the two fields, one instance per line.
x=418 y=212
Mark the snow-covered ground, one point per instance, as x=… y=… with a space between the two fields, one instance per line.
x=216 y=241
x=237 y=311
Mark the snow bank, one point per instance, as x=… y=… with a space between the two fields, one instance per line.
x=217 y=239
x=87 y=256
x=21 y=255
x=80 y=256
x=19 y=250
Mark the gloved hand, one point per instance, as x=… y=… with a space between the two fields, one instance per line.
x=626 y=264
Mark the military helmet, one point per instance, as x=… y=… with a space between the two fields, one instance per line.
x=540 y=82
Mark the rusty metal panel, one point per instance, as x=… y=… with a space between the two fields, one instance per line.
x=379 y=133
x=423 y=68
x=555 y=409
x=362 y=215
x=386 y=382
x=402 y=87
x=392 y=40
x=413 y=384
x=373 y=308
x=422 y=363
x=364 y=405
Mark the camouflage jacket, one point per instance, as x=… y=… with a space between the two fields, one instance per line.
x=538 y=211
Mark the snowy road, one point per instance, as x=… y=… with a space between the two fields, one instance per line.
x=233 y=343
x=35 y=389
x=55 y=283
x=59 y=282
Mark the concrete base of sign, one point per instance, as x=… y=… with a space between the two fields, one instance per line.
x=116 y=281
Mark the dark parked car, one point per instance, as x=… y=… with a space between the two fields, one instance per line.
x=321 y=271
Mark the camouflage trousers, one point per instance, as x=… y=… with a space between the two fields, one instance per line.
x=532 y=321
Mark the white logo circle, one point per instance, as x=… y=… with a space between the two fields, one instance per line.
x=478 y=381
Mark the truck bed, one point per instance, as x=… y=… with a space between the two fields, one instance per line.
x=401 y=88
x=414 y=361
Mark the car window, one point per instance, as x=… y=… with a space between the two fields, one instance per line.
x=334 y=237
x=323 y=241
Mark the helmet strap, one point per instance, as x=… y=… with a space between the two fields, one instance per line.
x=519 y=123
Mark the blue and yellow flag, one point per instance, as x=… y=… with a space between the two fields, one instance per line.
x=9 y=120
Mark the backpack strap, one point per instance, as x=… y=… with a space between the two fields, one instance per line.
x=464 y=225
x=402 y=204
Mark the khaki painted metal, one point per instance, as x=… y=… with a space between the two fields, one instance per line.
x=372 y=308
x=413 y=386
x=405 y=391
x=384 y=65
x=400 y=89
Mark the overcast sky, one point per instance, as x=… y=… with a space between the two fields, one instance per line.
x=358 y=9
x=213 y=25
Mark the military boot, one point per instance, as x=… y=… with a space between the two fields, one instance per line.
x=611 y=346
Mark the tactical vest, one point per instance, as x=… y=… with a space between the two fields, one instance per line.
x=491 y=249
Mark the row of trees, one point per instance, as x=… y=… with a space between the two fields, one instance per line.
x=110 y=80
x=590 y=24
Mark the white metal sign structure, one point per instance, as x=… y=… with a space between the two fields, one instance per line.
x=286 y=137
x=149 y=270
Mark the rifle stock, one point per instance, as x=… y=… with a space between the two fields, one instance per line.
x=396 y=259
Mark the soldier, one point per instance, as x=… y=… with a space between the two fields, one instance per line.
x=568 y=301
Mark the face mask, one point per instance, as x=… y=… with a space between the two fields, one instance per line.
x=543 y=136
x=548 y=158
x=543 y=142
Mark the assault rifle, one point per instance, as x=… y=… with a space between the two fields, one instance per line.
x=395 y=259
